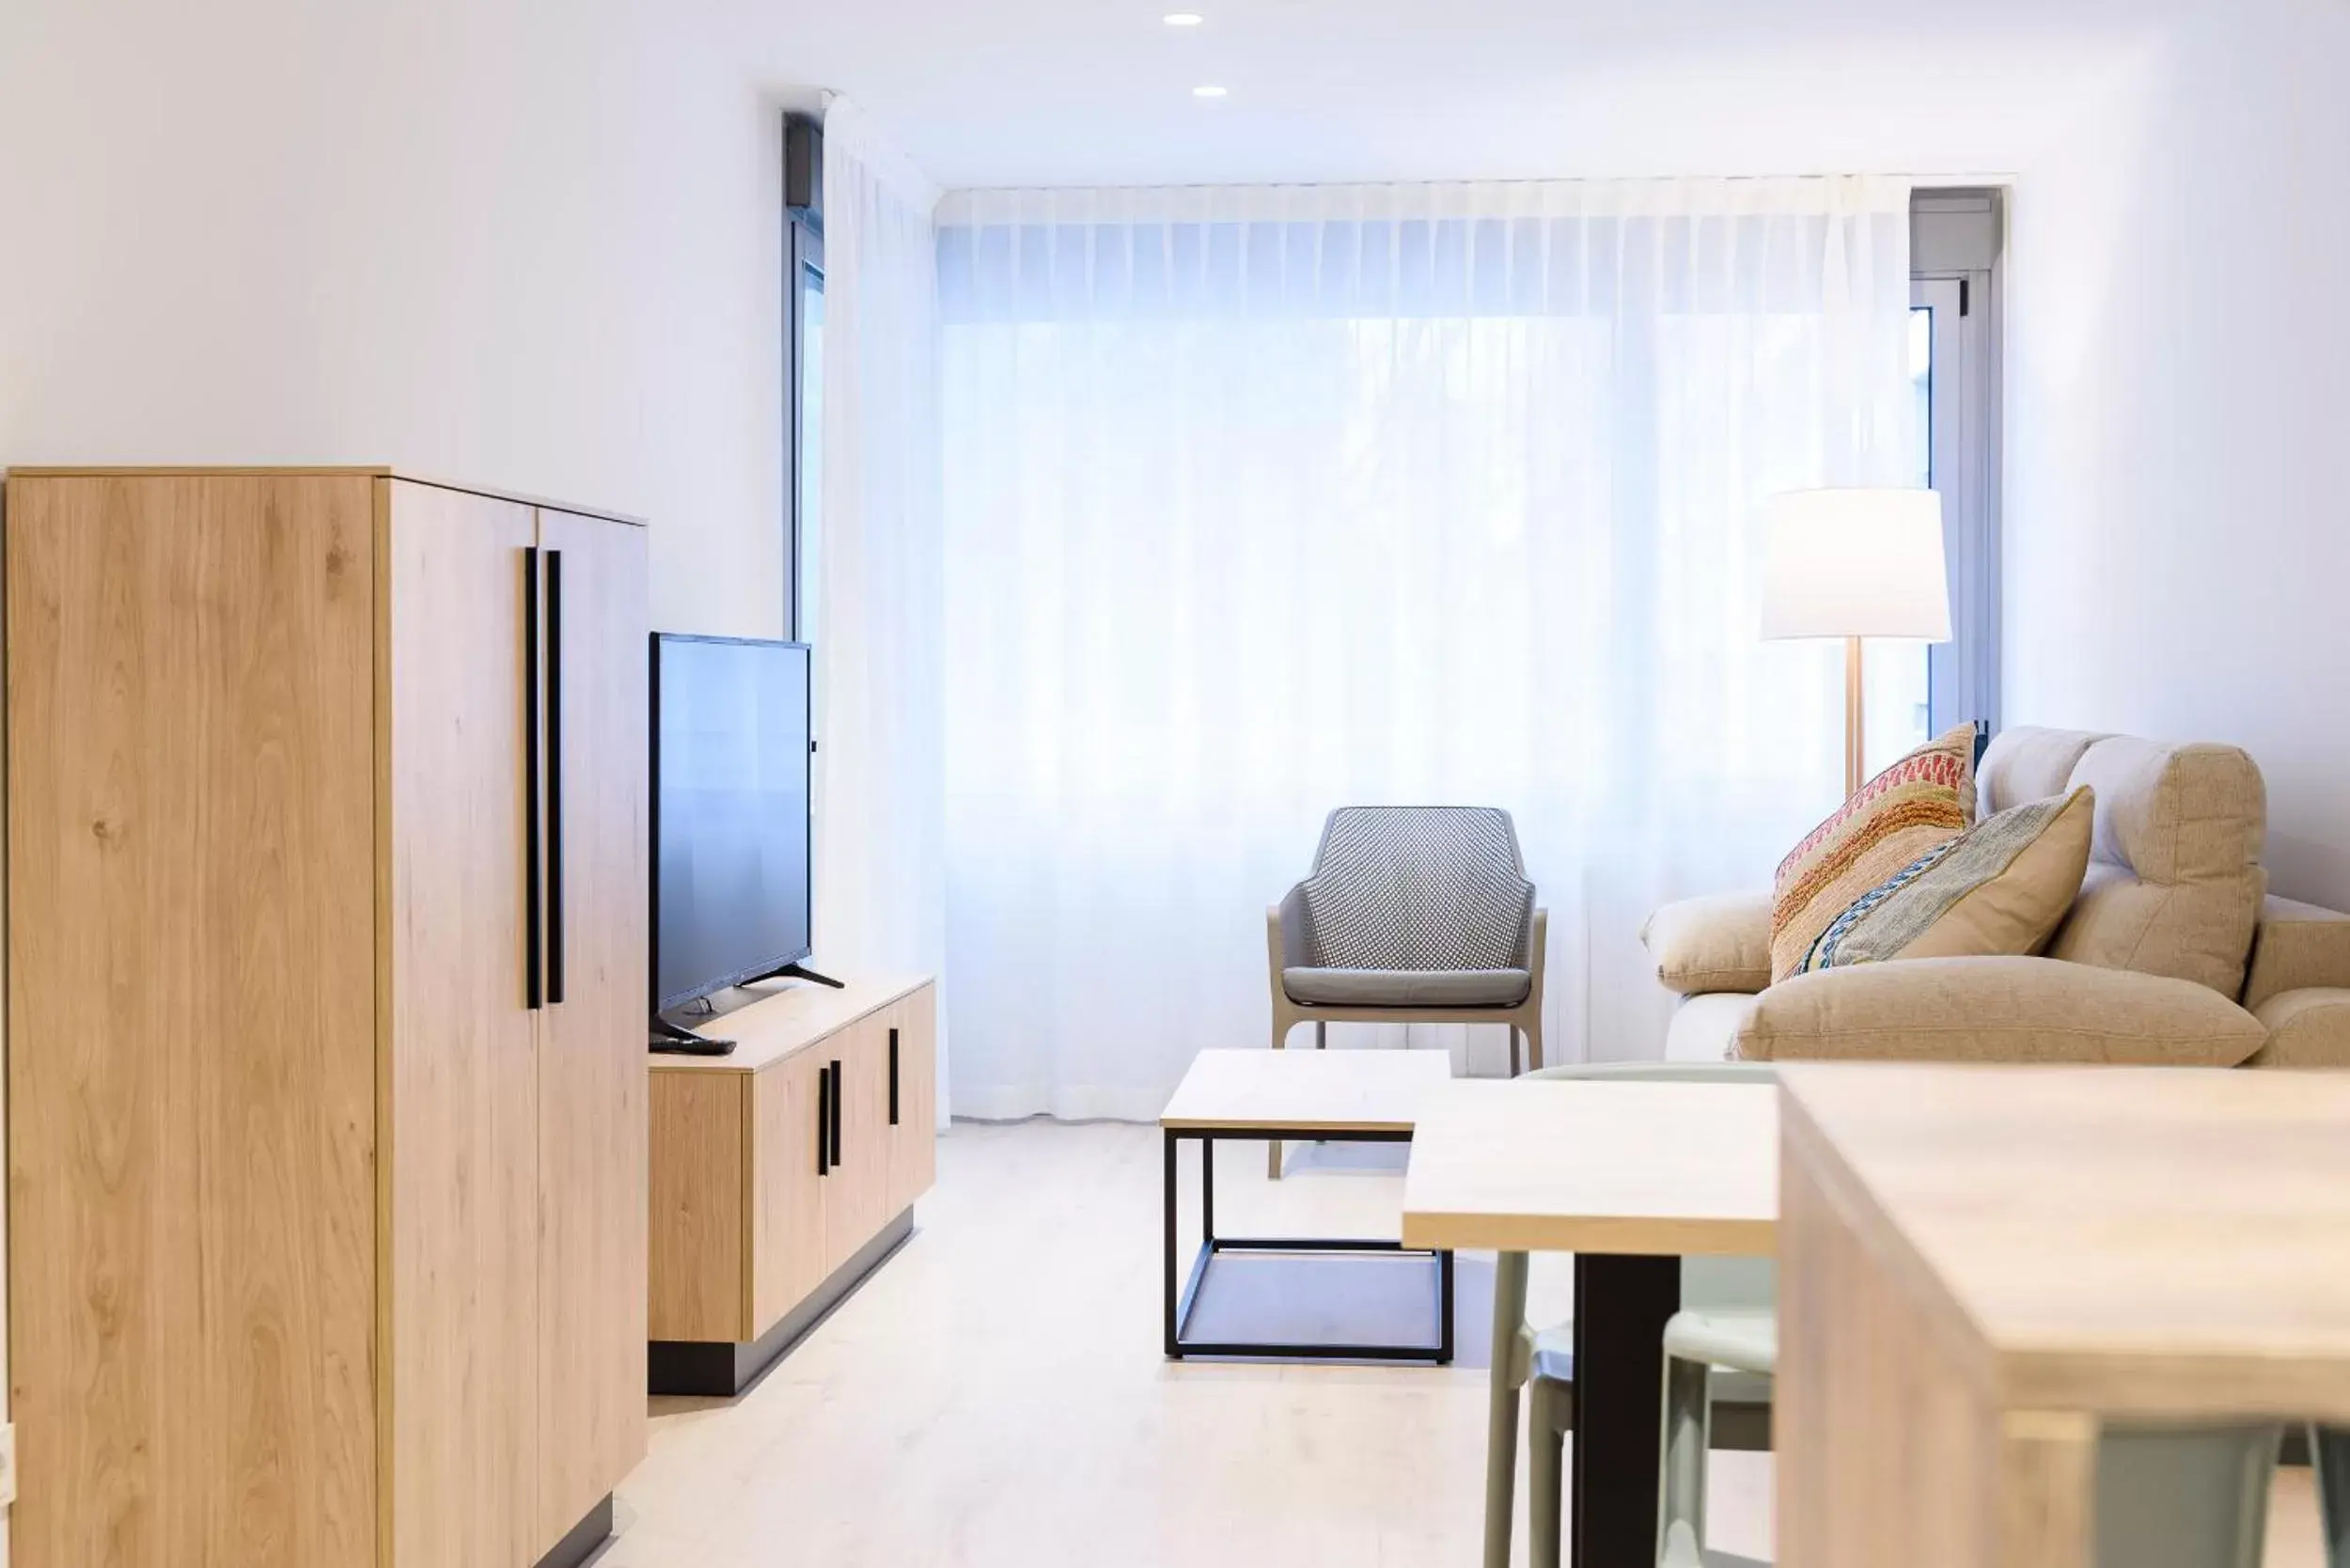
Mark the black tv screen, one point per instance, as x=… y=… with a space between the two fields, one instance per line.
x=731 y=892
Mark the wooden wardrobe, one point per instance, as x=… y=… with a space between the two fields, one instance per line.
x=327 y=1093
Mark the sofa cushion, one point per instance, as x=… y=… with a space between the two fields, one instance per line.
x=1925 y=799
x=1704 y=1029
x=1719 y=943
x=2000 y=888
x=2011 y=1010
x=2306 y=1028
x=2296 y=947
x=2027 y=764
x=1407 y=987
x=2175 y=883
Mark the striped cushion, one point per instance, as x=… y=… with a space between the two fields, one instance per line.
x=1999 y=889
x=1924 y=801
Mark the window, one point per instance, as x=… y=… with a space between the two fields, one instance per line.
x=1955 y=299
x=808 y=500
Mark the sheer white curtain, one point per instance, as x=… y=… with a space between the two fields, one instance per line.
x=1262 y=502
x=878 y=659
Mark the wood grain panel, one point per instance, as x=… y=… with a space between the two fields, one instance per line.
x=462 y=1162
x=699 y=1287
x=914 y=1140
x=1887 y=1444
x=787 y=1194
x=191 y=1014
x=1658 y=1168
x=592 y=1077
x=856 y=1192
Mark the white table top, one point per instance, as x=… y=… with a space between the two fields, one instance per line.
x=1645 y=1168
x=1358 y=1092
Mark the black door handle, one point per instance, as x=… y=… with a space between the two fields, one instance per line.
x=554 y=776
x=893 y=1077
x=823 y=1121
x=533 y=932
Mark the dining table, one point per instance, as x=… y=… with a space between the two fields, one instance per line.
x=1630 y=1177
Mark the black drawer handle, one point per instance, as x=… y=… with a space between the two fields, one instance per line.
x=893 y=1077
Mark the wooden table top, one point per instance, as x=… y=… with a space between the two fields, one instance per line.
x=1634 y=1166
x=792 y=1016
x=1338 y=1091
x=2112 y=1239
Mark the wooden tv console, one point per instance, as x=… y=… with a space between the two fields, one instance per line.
x=784 y=1173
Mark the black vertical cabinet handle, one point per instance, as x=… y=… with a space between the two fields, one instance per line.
x=893 y=1077
x=554 y=776
x=823 y=1121
x=837 y=1088
x=533 y=932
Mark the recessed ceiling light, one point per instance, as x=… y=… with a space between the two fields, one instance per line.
x=1182 y=19
x=1207 y=92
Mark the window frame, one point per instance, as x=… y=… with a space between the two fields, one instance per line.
x=1957 y=267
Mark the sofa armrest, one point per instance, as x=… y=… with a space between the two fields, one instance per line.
x=1721 y=941
x=2296 y=947
x=2309 y=1027
x=2009 y=1010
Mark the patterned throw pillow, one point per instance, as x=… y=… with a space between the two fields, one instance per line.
x=2002 y=887
x=1924 y=800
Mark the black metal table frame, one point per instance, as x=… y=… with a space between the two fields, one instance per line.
x=1181 y=1296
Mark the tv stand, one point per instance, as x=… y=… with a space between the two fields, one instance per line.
x=668 y=1037
x=793 y=971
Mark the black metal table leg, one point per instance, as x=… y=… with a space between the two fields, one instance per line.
x=1167 y=1187
x=1621 y=1305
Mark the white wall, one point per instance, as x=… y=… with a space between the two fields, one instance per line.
x=2178 y=418
x=516 y=242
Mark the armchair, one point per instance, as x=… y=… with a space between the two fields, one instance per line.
x=1411 y=915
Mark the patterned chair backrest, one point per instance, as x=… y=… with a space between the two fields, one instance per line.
x=1419 y=888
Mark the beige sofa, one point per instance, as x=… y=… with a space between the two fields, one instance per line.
x=2172 y=952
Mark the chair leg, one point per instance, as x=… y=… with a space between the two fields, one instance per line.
x=1546 y=1472
x=1501 y=1414
x=1273 y=1150
x=1322 y=1034
x=1514 y=1068
x=1681 y=1465
x=1534 y=1043
x=2329 y=1454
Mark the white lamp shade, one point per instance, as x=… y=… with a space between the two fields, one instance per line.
x=1856 y=563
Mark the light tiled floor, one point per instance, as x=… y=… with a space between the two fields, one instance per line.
x=995 y=1396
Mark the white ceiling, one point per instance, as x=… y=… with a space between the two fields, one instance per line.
x=1008 y=92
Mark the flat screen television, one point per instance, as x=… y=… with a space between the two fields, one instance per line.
x=731 y=834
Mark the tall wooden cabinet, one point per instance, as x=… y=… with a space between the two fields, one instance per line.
x=327 y=1096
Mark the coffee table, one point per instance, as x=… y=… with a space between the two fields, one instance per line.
x=1297 y=1096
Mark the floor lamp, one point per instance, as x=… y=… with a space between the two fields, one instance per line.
x=1854 y=564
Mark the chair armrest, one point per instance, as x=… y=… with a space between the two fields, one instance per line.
x=1537 y=952
x=2309 y=1028
x=1721 y=941
x=2296 y=947
x=1285 y=932
x=2011 y=1010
